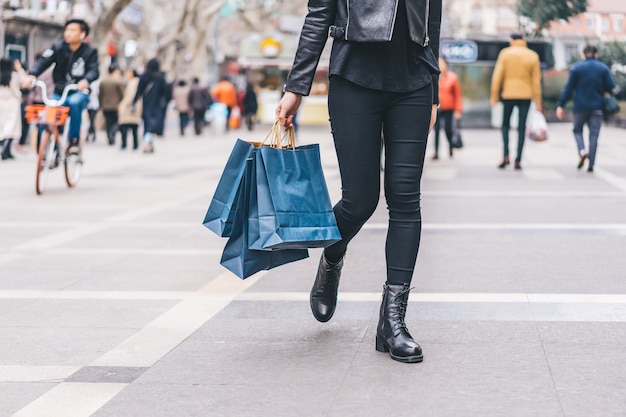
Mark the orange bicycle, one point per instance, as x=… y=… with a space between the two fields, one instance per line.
x=53 y=149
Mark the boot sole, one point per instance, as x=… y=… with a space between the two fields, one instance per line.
x=381 y=347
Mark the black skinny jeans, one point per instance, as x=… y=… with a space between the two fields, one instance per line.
x=358 y=117
x=522 y=106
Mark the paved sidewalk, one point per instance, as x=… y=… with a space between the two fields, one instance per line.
x=113 y=302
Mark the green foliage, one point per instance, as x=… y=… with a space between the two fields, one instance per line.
x=613 y=54
x=553 y=82
x=542 y=12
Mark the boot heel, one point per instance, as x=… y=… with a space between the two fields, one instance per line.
x=380 y=345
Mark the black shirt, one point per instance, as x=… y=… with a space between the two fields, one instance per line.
x=393 y=66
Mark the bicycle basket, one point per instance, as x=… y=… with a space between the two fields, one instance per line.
x=56 y=115
x=32 y=112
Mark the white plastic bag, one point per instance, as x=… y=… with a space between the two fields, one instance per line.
x=219 y=118
x=537 y=127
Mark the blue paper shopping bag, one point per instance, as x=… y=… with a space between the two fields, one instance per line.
x=219 y=216
x=292 y=207
x=237 y=257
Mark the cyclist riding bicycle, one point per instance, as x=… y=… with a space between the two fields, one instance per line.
x=76 y=62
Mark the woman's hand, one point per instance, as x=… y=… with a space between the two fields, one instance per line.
x=287 y=108
x=433 y=117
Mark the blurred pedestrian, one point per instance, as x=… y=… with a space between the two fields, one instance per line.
x=589 y=82
x=129 y=115
x=154 y=90
x=111 y=94
x=26 y=100
x=516 y=81
x=92 y=109
x=181 y=104
x=451 y=105
x=199 y=101
x=250 y=106
x=11 y=76
x=226 y=93
x=383 y=86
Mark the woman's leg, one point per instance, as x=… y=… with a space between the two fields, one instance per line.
x=405 y=129
x=356 y=121
x=406 y=126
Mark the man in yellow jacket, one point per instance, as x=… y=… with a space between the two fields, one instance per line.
x=516 y=81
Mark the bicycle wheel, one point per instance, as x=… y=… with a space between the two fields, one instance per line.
x=73 y=168
x=45 y=161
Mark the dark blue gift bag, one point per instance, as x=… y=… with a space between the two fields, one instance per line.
x=292 y=207
x=219 y=216
x=237 y=257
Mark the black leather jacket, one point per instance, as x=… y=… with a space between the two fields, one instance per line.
x=361 y=21
x=71 y=66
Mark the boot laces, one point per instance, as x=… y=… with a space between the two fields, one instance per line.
x=402 y=302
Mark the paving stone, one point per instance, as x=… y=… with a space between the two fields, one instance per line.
x=134 y=225
x=16 y=395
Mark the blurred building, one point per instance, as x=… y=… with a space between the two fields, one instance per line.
x=27 y=26
x=479 y=19
x=605 y=20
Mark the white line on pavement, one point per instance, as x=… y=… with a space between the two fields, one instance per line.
x=525 y=194
x=418 y=297
x=134 y=251
x=228 y=291
x=19 y=373
x=71 y=399
x=153 y=342
x=617 y=227
x=179 y=225
x=60 y=237
x=125 y=225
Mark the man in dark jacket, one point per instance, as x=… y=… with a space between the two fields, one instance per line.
x=199 y=101
x=589 y=81
x=76 y=62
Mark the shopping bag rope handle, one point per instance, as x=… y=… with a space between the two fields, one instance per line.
x=276 y=138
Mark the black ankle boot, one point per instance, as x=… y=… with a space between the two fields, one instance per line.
x=6 y=149
x=392 y=335
x=324 y=291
